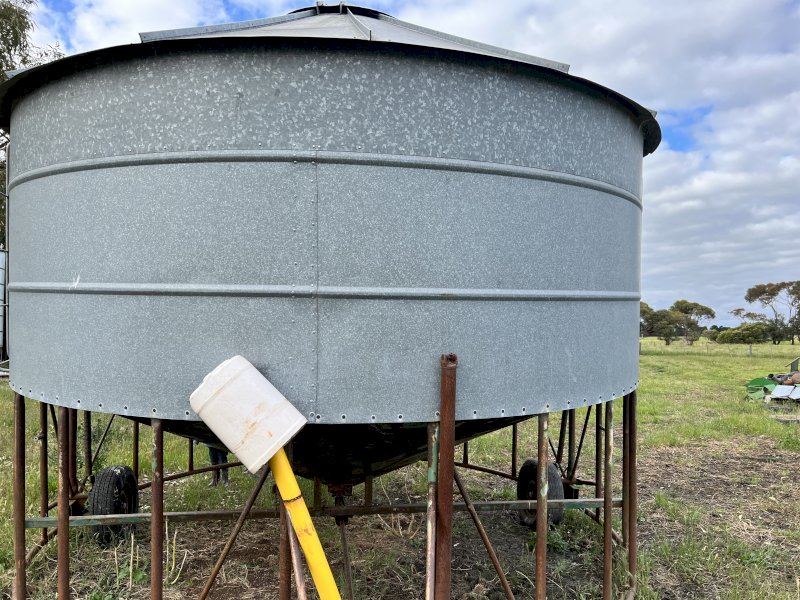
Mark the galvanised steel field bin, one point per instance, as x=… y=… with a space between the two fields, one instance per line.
x=340 y=197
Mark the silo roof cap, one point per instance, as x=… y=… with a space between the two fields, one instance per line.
x=344 y=21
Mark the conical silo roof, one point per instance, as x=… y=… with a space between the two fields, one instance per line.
x=347 y=22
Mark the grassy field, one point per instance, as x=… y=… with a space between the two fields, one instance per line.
x=719 y=515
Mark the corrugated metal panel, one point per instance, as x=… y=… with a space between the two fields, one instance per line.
x=782 y=391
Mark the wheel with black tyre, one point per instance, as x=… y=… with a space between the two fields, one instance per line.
x=527 y=490
x=115 y=492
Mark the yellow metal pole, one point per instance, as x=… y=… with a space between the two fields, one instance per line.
x=303 y=527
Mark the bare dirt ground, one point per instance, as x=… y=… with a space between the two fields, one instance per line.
x=388 y=560
x=707 y=511
x=706 y=508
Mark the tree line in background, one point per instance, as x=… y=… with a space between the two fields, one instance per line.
x=779 y=321
x=16 y=52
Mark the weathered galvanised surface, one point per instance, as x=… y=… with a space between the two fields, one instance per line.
x=338 y=211
x=340 y=197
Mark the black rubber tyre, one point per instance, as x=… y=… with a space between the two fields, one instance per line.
x=115 y=492
x=526 y=490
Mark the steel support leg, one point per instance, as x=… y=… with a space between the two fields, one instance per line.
x=541 y=510
x=54 y=419
x=573 y=474
x=571 y=443
x=633 y=494
x=73 y=450
x=347 y=567
x=284 y=557
x=607 y=509
x=514 y=439
x=430 y=546
x=63 y=504
x=444 y=495
x=484 y=537
x=562 y=435
x=157 y=512
x=626 y=438
x=297 y=565
x=87 y=445
x=234 y=534
x=598 y=458
x=20 y=580
x=135 y=450
x=368 y=495
x=44 y=487
x=190 y=466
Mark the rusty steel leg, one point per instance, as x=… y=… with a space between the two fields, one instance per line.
x=93 y=458
x=87 y=445
x=55 y=420
x=135 y=450
x=317 y=502
x=465 y=453
x=430 y=524
x=484 y=538
x=234 y=534
x=38 y=547
x=626 y=438
x=541 y=510
x=66 y=424
x=598 y=458
x=284 y=557
x=297 y=566
x=20 y=577
x=444 y=492
x=44 y=474
x=573 y=476
x=368 y=495
x=346 y=566
x=514 y=438
x=633 y=496
x=607 y=514
x=190 y=466
x=63 y=504
x=562 y=434
x=570 y=443
x=73 y=450
x=157 y=513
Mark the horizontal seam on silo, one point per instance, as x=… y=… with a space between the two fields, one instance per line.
x=332 y=292
x=352 y=158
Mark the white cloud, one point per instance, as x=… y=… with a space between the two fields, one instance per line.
x=91 y=24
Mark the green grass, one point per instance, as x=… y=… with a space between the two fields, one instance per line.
x=784 y=350
x=692 y=397
x=678 y=510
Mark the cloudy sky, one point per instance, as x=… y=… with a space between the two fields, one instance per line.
x=722 y=193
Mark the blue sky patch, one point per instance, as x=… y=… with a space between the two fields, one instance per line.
x=679 y=128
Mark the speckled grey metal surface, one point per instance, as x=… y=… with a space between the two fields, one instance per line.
x=339 y=217
x=3 y=256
